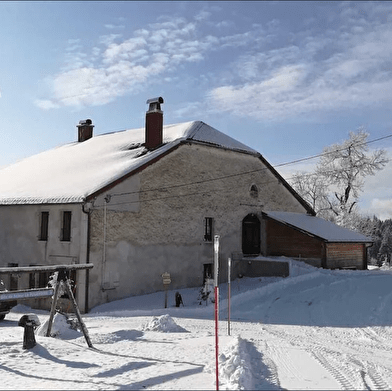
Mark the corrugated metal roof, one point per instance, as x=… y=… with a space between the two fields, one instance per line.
x=319 y=227
x=69 y=173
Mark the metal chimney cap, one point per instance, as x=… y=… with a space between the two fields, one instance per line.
x=155 y=104
x=84 y=122
x=159 y=99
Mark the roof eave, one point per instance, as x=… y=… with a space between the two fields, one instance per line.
x=308 y=208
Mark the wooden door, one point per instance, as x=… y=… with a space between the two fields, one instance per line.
x=251 y=235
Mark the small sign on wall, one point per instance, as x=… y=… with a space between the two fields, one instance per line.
x=166 y=278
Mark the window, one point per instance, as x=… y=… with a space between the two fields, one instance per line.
x=44 y=224
x=66 y=228
x=43 y=279
x=254 y=191
x=208 y=229
x=38 y=279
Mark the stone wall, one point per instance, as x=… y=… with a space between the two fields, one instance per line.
x=162 y=229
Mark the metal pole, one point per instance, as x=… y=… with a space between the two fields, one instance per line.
x=165 y=295
x=216 y=290
x=104 y=245
x=228 y=293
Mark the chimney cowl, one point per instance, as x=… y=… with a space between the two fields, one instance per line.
x=154 y=124
x=85 y=122
x=154 y=104
x=85 y=130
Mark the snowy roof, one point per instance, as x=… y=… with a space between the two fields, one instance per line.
x=319 y=227
x=70 y=173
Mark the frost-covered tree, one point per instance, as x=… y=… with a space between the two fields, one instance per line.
x=314 y=190
x=343 y=168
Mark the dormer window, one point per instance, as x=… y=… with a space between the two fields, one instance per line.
x=254 y=191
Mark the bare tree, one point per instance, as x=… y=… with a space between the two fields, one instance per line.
x=313 y=189
x=343 y=168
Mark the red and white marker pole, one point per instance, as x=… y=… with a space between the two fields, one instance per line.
x=216 y=290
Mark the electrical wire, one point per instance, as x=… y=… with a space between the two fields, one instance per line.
x=245 y=172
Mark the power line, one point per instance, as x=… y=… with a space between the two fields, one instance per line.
x=245 y=172
x=204 y=192
x=330 y=152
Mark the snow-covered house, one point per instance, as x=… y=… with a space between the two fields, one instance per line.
x=140 y=203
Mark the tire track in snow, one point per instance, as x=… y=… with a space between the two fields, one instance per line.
x=273 y=376
x=334 y=370
x=377 y=379
x=319 y=353
x=372 y=378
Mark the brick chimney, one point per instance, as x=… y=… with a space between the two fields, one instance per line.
x=154 y=123
x=85 y=130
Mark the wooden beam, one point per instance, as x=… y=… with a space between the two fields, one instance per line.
x=25 y=294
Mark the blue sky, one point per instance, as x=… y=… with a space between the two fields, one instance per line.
x=286 y=78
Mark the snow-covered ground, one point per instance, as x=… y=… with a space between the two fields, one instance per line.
x=317 y=329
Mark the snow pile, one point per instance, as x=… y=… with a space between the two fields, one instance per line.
x=24 y=309
x=335 y=298
x=62 y=328
x=235 y=366
x=164 y=324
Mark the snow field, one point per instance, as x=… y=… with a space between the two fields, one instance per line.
x=317 y=329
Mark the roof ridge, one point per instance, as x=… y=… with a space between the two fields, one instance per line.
x=196 y=125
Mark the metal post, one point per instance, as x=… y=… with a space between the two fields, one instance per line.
x=103 y=278
x=216 y=290
x=165 y=295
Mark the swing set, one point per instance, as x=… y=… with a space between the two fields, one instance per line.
x=62 y=277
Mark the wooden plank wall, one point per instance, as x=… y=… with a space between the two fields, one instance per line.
x=283 y=240
x=345 y=255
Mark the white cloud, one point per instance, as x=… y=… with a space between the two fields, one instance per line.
x=113 y=26
x=108 y=39
x=279 y=76
x=202 y=15
x=346 y=68
x=381 y=208
x=261 y=99
x=126 y=67
x=46 y=104
x=187 y=110
x=376 y=198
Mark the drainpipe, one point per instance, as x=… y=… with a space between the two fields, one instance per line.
x=86 y=296
x=107 y=200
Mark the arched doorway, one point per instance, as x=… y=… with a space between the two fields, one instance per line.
x=251 y=235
